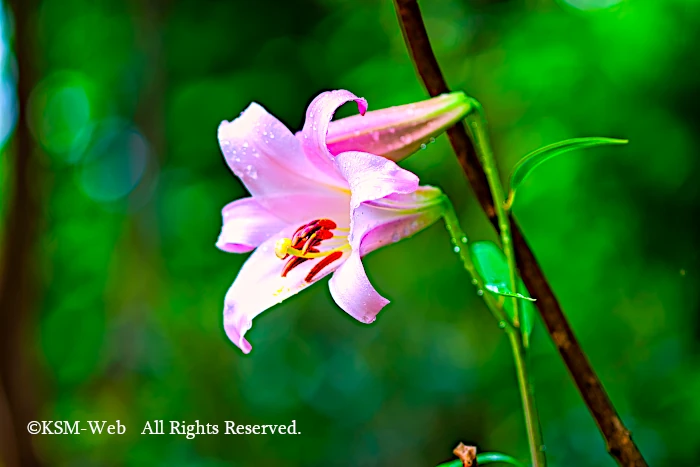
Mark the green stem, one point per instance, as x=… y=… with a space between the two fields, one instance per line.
x=532 y=421
x=459 y=241
x=478 y=132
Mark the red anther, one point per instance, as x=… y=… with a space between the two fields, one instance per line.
x=327 y=224
x=322 y=264
x=306 y=239
x=324 y=235
x=291 y=264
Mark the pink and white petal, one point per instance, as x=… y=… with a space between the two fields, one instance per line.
x=397 y=132
x=353 y=292
x=260 y=286
x=376 y=227
x=372 y=177
x=298 y=208
x=267 y=157
x=318 y=116
x=247 y=224
x=395 y=217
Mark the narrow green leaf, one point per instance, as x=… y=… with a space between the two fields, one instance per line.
x=491 y=457
x=530 y=162
x=492 y=266
x=508 y=294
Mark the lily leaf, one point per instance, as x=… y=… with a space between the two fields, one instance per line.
x=492 y=266
x=537 y=157
x=495 y=290
x=487 y=458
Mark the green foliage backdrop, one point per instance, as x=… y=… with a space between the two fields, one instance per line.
x=129 y=318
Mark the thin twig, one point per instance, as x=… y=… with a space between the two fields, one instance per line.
x=617 y=438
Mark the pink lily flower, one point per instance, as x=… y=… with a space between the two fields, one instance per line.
x=322 y=199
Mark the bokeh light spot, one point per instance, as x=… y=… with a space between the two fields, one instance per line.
x=8 y=98
x=60 y=114
x=114 y=164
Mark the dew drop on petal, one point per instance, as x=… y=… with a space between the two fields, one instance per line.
x=392 y=130
x=395 y=237
x=272 y=136
x=251 y=172
x=375 y=136
x=245 y=144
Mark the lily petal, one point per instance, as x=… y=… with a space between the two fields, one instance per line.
x=372 y=177
x=353 y=292
x=391 y=219
x=397 y=132
x=259 y=285
x=247 y=224
x=268 y=159
x=318 y=116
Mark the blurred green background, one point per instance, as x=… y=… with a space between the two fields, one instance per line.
x=126 y=319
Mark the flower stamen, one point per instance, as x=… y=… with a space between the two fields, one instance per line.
x=305 y=245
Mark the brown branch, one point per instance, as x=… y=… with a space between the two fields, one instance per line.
x=17 y=280
x=617 y=438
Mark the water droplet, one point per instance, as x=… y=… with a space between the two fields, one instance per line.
x=311 y=114
x=264 y=133
x=456 y=249
x=272 y=136
x=375 y=136
x=423 y=146
x=474 y=282
x=463 y=239
x=245 y=144
x=502 y=324
x=356 y=132
x=251 y=172
x=395 y=237
x=236 y=159
x=226 y=143
x=480 y=292
x=432 y=140
x=392 y=130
